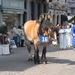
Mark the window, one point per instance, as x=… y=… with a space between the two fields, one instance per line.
x=39 y=9
x=32 y=10
x=45 y=9
x=10 y=20
x=24 y=17
x=25 y=4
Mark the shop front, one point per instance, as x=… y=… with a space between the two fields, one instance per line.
x=11 y=12
x=11 y=17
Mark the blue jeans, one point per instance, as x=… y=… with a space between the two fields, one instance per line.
x=18 y=40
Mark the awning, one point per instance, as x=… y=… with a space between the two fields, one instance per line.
x=19 y=11
x=63 y=18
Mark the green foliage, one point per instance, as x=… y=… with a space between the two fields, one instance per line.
x=3 y=29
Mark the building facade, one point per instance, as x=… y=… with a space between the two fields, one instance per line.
x=11 y=12
x=71 y=11
x=58 y=11
x=33 y=9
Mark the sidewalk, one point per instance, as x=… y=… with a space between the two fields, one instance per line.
x=60 y=62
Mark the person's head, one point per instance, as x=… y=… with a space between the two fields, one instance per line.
x=62 y=26
x=19 y=27
x=68 y=27
x=16 y=26
x=8 y=35
x=4 y=24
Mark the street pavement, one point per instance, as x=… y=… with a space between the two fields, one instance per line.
x=60 y=62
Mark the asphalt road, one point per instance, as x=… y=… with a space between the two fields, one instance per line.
x=60 y=62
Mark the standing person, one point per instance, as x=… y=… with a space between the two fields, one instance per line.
x=62 y=37
x=68 y=36
x=73 y=36
x=15 y=33
x=22 y=37
x=19 y=36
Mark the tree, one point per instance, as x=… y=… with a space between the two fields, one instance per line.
x=3 y=29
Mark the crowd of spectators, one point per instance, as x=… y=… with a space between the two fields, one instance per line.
x=17 y=39
x=66 y=36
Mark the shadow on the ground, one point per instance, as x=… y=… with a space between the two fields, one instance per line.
x=60 y=61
